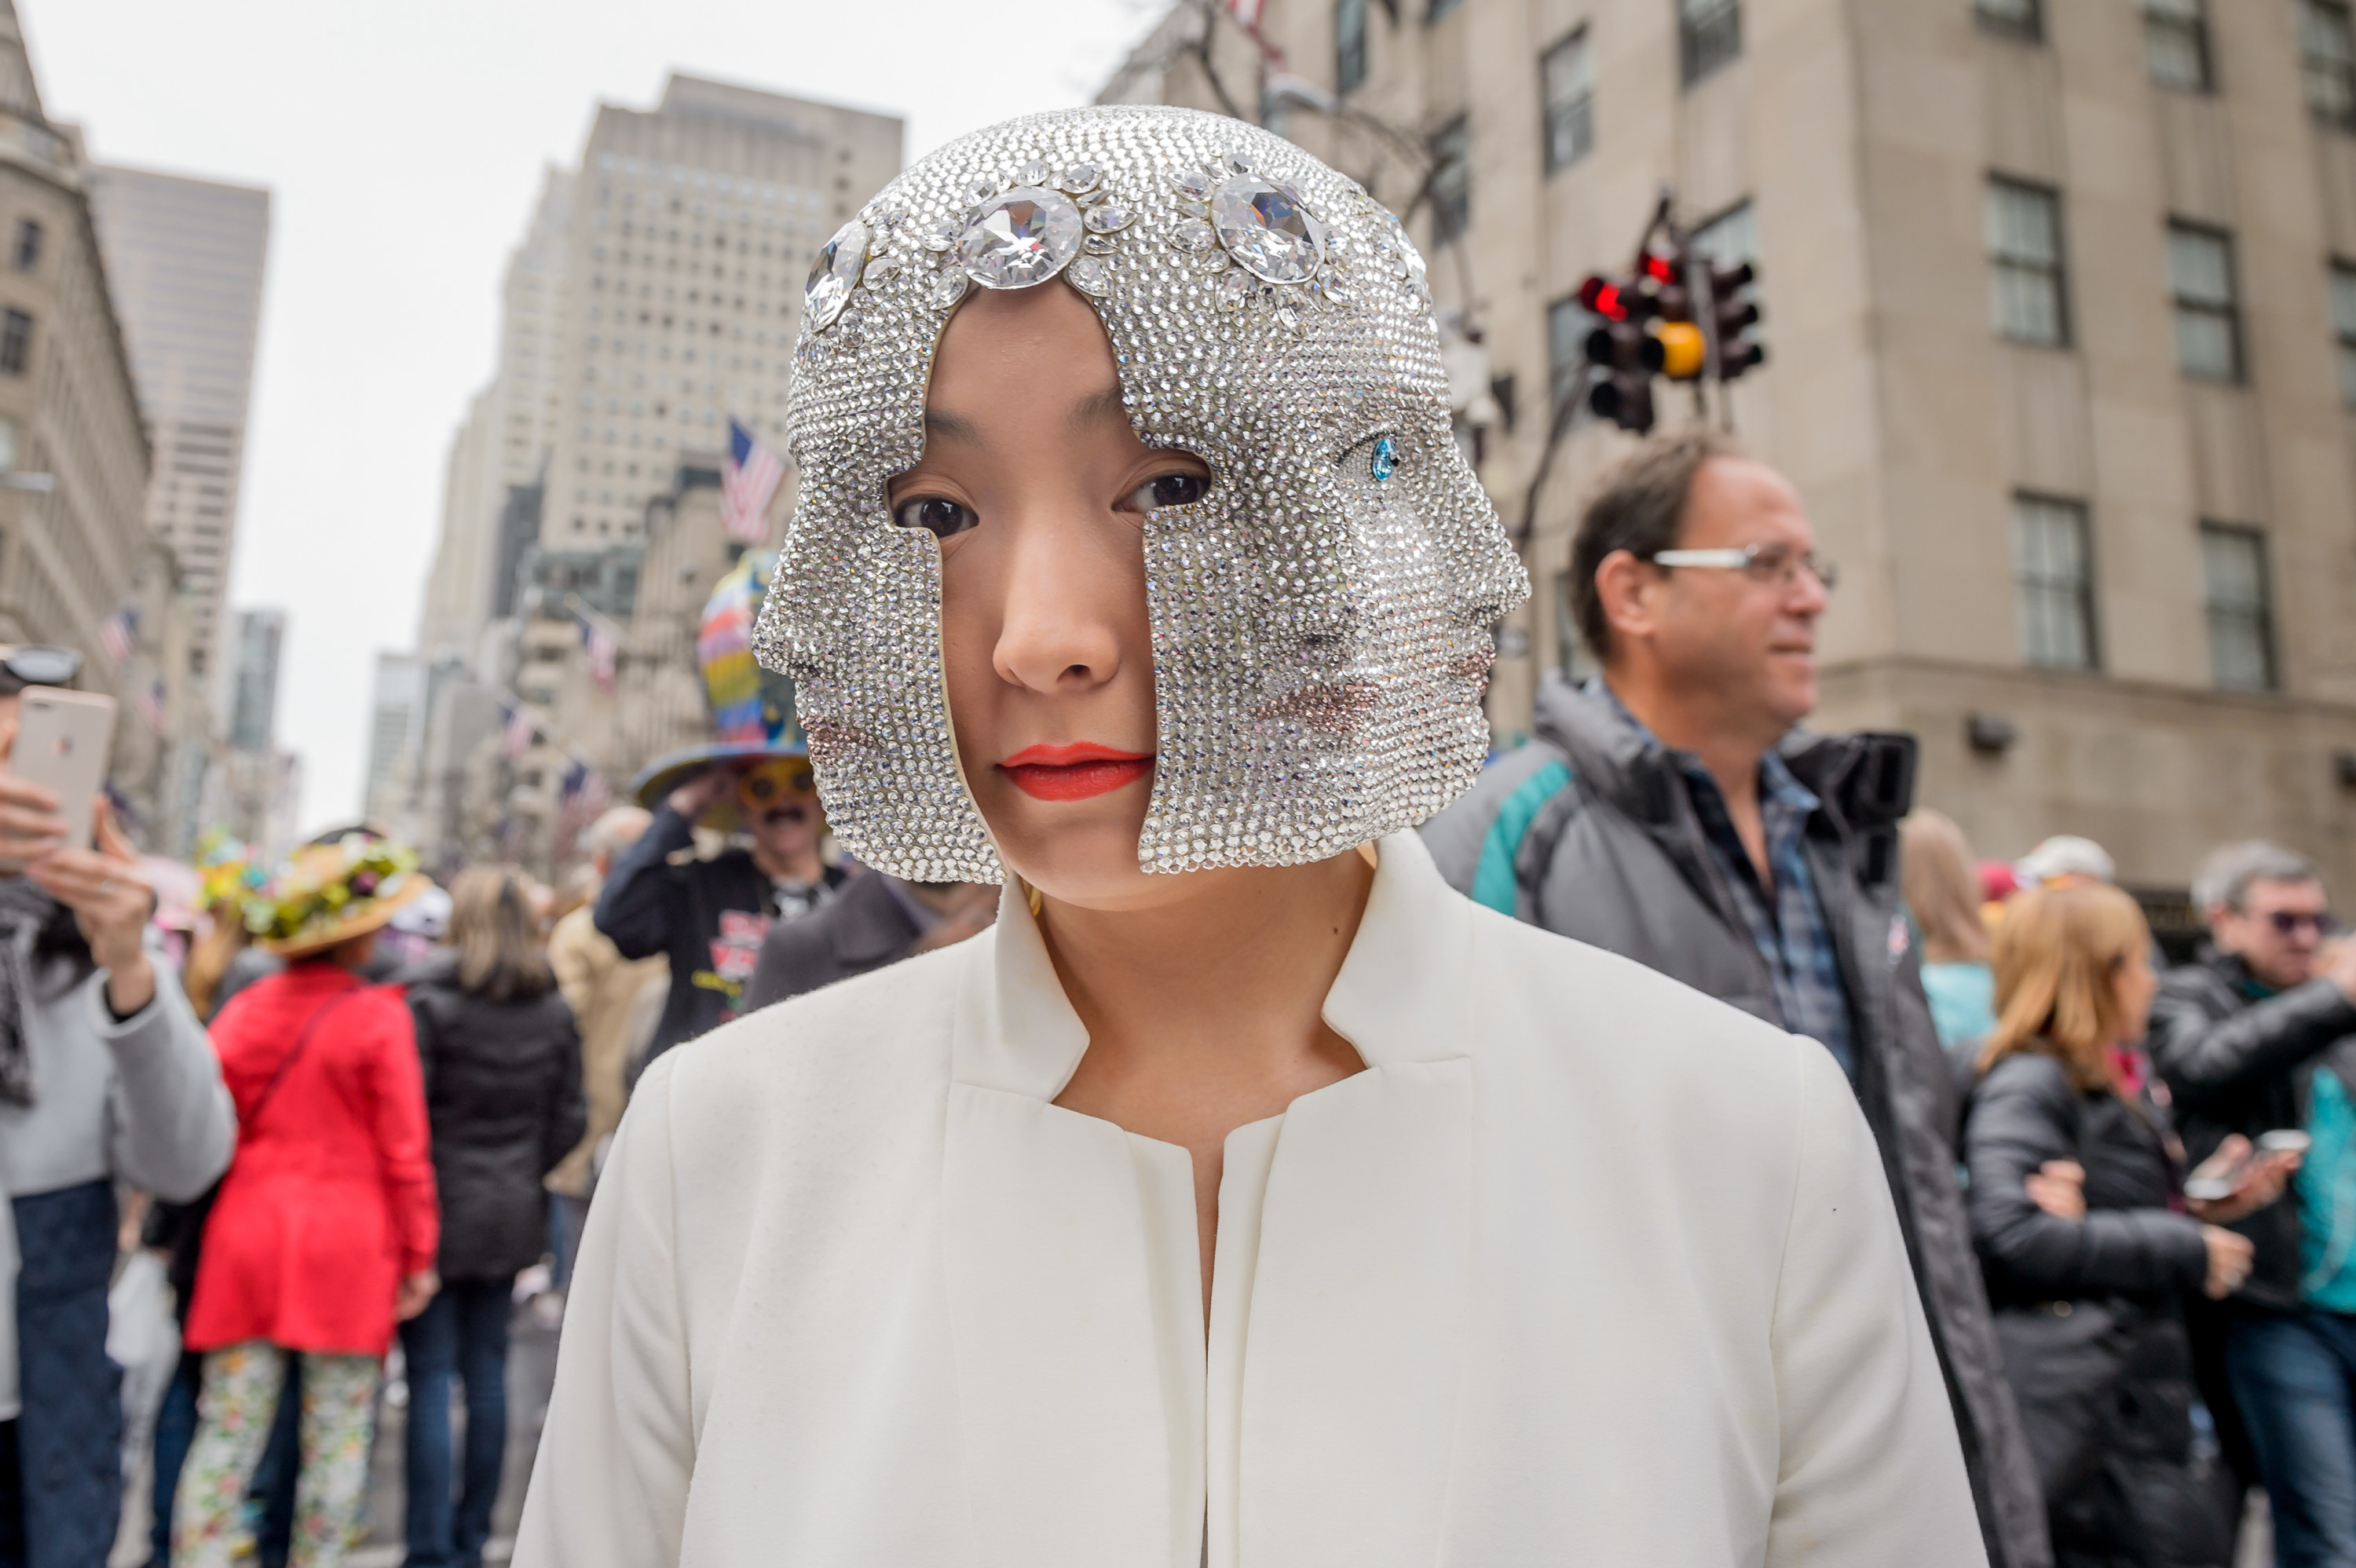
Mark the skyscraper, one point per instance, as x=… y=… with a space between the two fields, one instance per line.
x=503 y=444
x=254 y=681
x=692 y=243
x=395 y=726
x=185 y=259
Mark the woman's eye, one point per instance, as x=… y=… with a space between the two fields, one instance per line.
x=1168 y=490
x=936 y=514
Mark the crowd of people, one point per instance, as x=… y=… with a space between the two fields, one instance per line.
x=347 y=1116
x=2114 y=1289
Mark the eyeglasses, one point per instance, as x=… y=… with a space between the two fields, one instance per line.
x=35 y=664
x=767 y=781
x=2290 y=922
x=1776 y=563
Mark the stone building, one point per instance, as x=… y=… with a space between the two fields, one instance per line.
x=656 y=293
x=75 y=549
x=2061 y=305
x=184 y=261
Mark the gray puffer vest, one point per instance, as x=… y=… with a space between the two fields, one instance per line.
x=1589 y=832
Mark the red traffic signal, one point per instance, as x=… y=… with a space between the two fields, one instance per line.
x=1606 y=297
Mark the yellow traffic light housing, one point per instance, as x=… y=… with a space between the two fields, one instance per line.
x=1685 y=352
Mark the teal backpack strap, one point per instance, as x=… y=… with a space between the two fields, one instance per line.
x=1495 y=882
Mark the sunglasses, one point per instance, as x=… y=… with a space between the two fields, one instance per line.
x=765 y=784
x=2290 y=922
x=35 y=664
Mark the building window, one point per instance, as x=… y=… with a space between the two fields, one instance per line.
x=2328 y=47
x=2208 y=321
x=1435 y=9
x=2176 y=44
x=2054 y=576
x=2240 y=607
x=2343 y=327
x=1567 y=73
x=27 y=252
x=2021 y=19
x=1349 y=44
x=1709 y=34
x=1568 y=325
x=16 y=341
x=1731 y=237
x=1451 y=181
x=2026 y=297
x=8 y=446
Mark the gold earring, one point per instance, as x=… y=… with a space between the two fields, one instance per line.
x=1031 y=896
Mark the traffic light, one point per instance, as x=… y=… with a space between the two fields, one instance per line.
x=1734 y=312
x=1622 y=355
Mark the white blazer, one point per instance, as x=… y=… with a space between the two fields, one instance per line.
x=1584 y=1268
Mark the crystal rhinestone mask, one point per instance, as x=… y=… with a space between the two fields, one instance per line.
x=1321 y=619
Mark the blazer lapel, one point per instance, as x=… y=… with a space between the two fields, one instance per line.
x=1357 y=1321
x=1072 y=1385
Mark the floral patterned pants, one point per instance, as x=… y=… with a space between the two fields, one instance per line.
x=239 y=1396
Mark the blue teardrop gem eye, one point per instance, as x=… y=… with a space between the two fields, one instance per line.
x=1385 y=459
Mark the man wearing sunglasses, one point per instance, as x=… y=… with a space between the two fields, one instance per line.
x=710 y=916
x=1672 y=811
x=2258 y=1037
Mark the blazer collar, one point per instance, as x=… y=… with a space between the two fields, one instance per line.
x=1398 y=998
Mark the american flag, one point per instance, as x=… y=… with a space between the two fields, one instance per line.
x=118 y=632
x=602 y=649
x=1246 y=11
x=150 y=704
x=520 y=731
x=747 y=481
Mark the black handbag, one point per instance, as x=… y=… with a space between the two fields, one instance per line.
x=2064 y=1361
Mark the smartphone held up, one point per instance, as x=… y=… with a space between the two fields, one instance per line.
x=61 y=745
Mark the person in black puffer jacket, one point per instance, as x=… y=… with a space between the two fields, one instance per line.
x=502 y=1062
x=2078 y=1214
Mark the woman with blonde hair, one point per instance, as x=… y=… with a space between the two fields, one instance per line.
x=1942 y=891
x=503 y=1095
x=2087 y=1293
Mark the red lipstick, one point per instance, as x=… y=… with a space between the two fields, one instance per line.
x=1078 y=772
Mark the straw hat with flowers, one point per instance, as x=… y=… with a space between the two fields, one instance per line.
x=329 y=893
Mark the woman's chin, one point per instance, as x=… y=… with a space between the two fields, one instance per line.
x=1078 y=851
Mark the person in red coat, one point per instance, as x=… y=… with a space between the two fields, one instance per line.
x=325 y=1228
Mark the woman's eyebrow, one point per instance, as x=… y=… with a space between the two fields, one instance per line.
x=1097 y=406
x=952 y=427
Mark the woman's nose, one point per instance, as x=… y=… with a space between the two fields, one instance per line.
x=1067 y=596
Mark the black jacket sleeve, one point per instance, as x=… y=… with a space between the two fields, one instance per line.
x=636 y=908
x=2026 y=1113
x=2204 y=1055
x=568 y=1110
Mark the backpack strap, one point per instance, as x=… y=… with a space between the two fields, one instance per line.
x=1504 y=878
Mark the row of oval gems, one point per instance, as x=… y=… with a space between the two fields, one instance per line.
x=1020 y=237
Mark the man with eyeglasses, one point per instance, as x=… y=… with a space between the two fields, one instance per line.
x=2260 y=1037
x=1671 y=810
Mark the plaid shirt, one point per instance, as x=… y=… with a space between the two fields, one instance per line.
x=1786 y=921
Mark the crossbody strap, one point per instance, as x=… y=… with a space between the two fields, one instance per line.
x=293 y=1053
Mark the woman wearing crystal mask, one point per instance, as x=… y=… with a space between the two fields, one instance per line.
x=1245 y=1196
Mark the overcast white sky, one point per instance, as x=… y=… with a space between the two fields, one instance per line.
x=403 y=145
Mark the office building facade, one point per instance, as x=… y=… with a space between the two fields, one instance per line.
x=2061 y=308
x=185 y=257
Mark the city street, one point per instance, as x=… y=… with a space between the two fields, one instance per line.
x=531 y=1370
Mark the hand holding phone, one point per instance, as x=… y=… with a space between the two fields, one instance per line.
x=2241 y=1178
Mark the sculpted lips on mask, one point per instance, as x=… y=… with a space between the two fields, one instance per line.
x=1078 y=772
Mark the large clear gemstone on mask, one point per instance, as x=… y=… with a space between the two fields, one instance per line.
x=1020 y=237
x=833 y=275
x=1264 y=228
